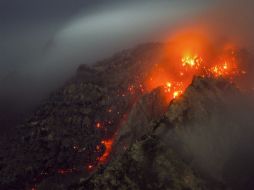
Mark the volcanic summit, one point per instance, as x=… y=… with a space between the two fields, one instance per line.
x=158 y=116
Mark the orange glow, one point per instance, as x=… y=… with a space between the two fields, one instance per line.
x=227 y=65
x=177 y=93
x=108 y=145
x=193 y=61
x=189 y=54
x=168 y=87
x=98 y=125
x=90 y=167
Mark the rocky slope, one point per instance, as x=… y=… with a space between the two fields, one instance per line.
x=67 y=142
x=64 y=135
x=161 y=159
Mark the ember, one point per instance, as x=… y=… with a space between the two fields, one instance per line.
x=189 y=56
x=108 y=145
x=192 y=61
x=98 y=125
x=90 y=167
x=177 y=93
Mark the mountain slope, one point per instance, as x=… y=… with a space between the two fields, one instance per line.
x=102 y=130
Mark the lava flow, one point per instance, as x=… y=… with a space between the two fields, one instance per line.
x=188 y=56
x=108 y=146
x=180 y=61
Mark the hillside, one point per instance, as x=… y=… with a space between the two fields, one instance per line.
x=104 y=130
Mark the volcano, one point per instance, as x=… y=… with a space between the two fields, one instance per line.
x=149 y=117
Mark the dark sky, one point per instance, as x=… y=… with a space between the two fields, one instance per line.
x=38 y=20
x=43 y=41
x=28 y=27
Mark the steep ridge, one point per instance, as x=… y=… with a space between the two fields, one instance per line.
x=191 y=147
x=103 y=130
x=71 y=132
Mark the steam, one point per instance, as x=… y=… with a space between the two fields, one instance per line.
x=227 y=19
x=44 y=59
x=89 y=38
x=41 y=56
x=221 y=146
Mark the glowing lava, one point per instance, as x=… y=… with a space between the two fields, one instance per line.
x=108 y=147
x=98 y=125
x=189 y=55
x=192 y=61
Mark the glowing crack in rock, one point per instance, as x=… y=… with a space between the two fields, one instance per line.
x=108 y=146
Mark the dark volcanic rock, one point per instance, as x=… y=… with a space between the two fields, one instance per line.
x=191 y=147
x=61 y=134
x=213 y=131
x=159 y=160
x=150 y=107
x=189 y=144
x=148 y=164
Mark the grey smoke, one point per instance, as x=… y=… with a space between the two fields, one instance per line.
x=40 y=50
x=43 y=43
x=221 y=146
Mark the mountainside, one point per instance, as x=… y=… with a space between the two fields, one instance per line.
x=103 y=130
x=164 y=157
x=65 y=133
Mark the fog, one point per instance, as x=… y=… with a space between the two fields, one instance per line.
x=42 y=43
x=232 y=19
x=39 y=54
x=221 y=146
x=89 y=38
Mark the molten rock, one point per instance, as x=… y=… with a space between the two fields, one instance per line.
x=104 y=130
